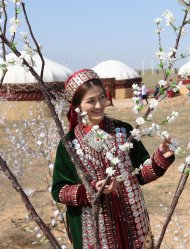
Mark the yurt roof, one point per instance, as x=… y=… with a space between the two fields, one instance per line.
x=115 y=69
x=185 y=69
x=53 y=72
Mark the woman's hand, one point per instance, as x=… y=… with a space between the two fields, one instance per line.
x=165 y=150
x=108 y=188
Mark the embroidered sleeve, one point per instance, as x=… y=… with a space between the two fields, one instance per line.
x=157 y=168
x=74 y=195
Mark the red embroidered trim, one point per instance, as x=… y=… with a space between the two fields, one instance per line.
x=148 y=173
x=68 y=194
x=161 y=161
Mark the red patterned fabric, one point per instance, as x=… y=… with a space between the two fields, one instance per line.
x=73 y=195
x=158 y=167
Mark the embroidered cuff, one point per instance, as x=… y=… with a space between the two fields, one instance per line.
x=148 y=174
x=161 y=161
x=73 y=195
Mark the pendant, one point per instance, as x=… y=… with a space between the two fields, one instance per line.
x=94 y=141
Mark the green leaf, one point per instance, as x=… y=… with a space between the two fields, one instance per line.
x=18 y=10
x=168 y=72
x=187 y=171
x=160 y=65
x=13 y=46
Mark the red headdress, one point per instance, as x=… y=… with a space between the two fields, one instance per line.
x=72 y=85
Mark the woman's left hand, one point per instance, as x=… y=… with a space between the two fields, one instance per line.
x=165 y=150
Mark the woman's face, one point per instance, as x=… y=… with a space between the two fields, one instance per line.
x=94 y=103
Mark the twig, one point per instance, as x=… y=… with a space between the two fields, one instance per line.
x=178 y=193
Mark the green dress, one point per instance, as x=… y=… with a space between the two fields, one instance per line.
x=65 y=177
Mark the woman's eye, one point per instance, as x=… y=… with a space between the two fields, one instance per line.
x=102 y=96
x=90 y=101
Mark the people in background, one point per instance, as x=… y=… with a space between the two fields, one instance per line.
x=109 y=96
x=144 y=93
x=156 y=90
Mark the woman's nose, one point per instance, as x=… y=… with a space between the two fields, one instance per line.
x=98 y=104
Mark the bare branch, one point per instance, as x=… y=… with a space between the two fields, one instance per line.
x=181 y=186
x=34 y=39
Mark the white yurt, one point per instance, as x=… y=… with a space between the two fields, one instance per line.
x=20 y=94
x=124 y=77
x=184 y=76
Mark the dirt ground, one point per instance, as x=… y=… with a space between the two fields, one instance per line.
x=16 y=231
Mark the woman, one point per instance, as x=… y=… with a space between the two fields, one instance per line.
x=123 y=221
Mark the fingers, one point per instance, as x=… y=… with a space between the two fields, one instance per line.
x=109 y=187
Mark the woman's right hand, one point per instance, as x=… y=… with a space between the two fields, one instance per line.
x=108 y=188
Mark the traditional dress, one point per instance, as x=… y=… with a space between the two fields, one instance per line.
x=123 y=221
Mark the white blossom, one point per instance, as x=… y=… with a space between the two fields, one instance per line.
x=162 y=83
x=83 y=113
x=188 y=146
x=77 y=110
x=95 y=127
x=56 y=212
x=110 y=171
x=149 y=117
x=179 y=151
x=115 y=160
x=173 y=145
x=135 y=86
x=51 y=166
x=136 y=134
x=164 y=135
x=187 y=160
x=126 y=146
x=169 y=17
x=63 y=247
x=136 y=109
x=158 y=20
x=54 y=222
x=135 y=171
x=161 y=55
x=153 y=103
x=140 y=120
x=109 y=155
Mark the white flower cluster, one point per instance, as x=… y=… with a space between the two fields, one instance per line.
x=173 y=145
x=111 y=158
x=187 y=160
x=136 y=98
x=136 y=134
x=166 y=57
x=169 y=17
x=151 y=131
x=126 y=146
x=176 y=86
x=158 y=21
x=185 y=3
x=153 y=104
x=84 y=117
x=15 y=23
x=18 y=2
x=146 y=163
x=110 y=171
x=171 y=118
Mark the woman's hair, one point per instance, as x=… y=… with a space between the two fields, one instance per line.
x=83 y=90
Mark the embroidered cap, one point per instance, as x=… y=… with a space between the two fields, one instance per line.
x=76 y=80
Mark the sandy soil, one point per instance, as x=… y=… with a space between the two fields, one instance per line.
x=15 y=230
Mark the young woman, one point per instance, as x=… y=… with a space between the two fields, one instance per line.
x=123 y=220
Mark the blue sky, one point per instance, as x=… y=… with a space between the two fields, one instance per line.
x=80 y=34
